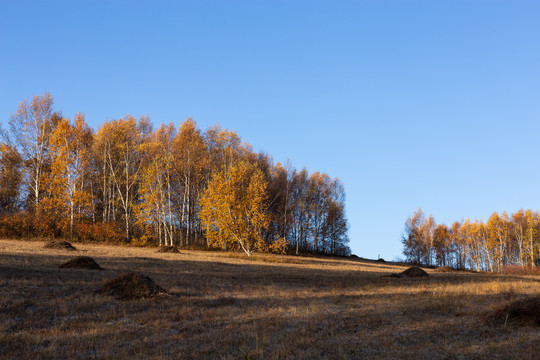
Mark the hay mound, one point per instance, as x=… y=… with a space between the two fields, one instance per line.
x=132 y=286
x=524 y=311
x=413 y=272
x=81 y=262
x=168 y=249
x=445 y=269
x=59 y=244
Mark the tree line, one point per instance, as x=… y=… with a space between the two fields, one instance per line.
x=502 y=241
x=174 y=185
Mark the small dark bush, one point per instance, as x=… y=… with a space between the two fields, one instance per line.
x=82 y=262
x=414 y=272
x=132 y=286
x=168 y=249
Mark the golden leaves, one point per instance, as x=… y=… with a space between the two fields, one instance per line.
x=232 y=208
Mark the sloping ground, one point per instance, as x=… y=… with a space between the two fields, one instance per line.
x=264 y=307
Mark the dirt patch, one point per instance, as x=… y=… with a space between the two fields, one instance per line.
x=411 y=272
x=59 y=244
x=524 y=311
x=445 y=269
x=168 y=249
x=132 y=286
x=81 y=262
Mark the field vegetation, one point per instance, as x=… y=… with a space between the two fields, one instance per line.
x=218 y=305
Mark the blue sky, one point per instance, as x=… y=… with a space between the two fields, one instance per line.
x=431 y=104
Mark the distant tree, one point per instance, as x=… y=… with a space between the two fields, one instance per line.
x=336 y=228
x=10 y=178
x=441 y=244
x=299 y=210
x=191 y=170
x=119 y=143
x=30 y=128
x=412 y=238
x=518 y=228
x=426 y=229
x=279 y=201
x=68 y=184
x=531 y=243
x=501 y=241
x=499 y=230
x=154 y=209
x=466 y=247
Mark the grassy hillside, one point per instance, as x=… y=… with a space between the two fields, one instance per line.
x=222 y=305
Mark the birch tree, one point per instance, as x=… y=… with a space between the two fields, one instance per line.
x=191 y=168
x=233 y=208
x=120 y=143
x=155 y=208
x=30 y=128
x=70 y=149
x=10 y=178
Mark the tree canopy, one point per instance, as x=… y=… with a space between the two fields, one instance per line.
x=175 y=185
x=502 y=241
x=233 y=208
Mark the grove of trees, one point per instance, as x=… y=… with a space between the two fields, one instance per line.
x=502 y=241
x=174 y=185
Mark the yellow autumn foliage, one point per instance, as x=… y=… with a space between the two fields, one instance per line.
x=232 y=208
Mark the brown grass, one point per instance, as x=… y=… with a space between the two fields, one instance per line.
x=263 y=307
x=523 y=311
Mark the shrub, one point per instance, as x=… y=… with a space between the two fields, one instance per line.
x=18 y=225
x=520 y=270
x=110 y=233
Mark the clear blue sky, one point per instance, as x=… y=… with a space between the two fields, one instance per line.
x=432 y=104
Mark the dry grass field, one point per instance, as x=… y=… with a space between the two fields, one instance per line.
x=225 y=306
